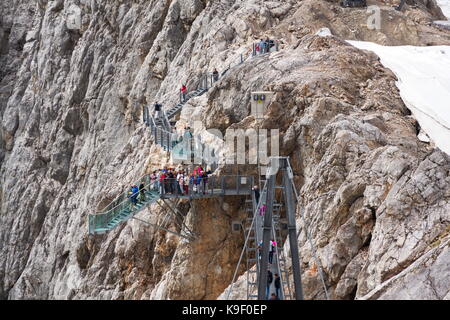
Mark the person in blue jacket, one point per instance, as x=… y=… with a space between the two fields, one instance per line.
x=135 y=191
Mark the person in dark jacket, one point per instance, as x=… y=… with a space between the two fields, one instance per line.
x=257 y=194
x=157 y=109
x=142 y=192
x=204 y=180
x=215 y=75
x=269 y=282
x=267 y=42
x=171 y=181
x=277 y=285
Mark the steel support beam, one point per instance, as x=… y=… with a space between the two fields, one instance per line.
x=267 y=233
x=160 y=227
x=290 y=213
x=177 y=214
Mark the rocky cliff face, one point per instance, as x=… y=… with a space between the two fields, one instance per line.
x=375 y=198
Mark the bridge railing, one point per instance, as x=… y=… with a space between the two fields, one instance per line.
x=204 y=187
x=119 y=205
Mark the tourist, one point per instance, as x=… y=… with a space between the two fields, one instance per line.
x=162 y=182
x=134 y=194
x=198 y=181
x=215 y=75
x=157 y=109
x=183 y=93
x=260 y=243
x=262 y=46
x=171 y=181
x=277 y=285
x=204 y=180
x=271 y=44
x=271 y=252
x=192 y=182
x=142 y=191
x=269 y=282
x=180 y=180
x=262 y=210
x=257 y=194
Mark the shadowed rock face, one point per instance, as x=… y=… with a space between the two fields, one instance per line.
x=376 y=199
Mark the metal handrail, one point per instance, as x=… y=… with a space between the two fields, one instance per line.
x=126 y=200
x=92 y=216
x=222 y=178
x=106 y=208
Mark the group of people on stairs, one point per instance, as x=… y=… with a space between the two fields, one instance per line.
x=137 y=195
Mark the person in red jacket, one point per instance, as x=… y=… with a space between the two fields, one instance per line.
x=162 y=182
x=183 y=93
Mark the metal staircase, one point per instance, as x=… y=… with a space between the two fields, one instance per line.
x=172 y=112
x=122 y=208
